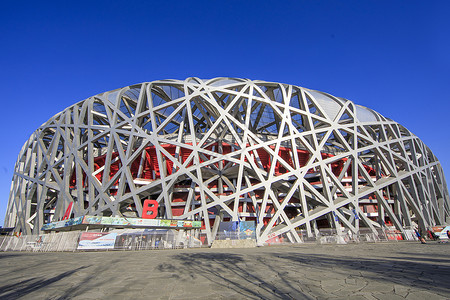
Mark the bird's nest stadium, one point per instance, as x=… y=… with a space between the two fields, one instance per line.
x=289 y=160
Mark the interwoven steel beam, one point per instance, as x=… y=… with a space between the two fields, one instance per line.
x=228 y=149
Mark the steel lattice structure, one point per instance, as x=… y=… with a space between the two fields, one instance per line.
x=228 y=149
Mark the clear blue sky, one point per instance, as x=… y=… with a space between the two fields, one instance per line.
x=391 y=56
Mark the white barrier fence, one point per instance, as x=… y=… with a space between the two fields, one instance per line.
x=129 y=239
x=114 y=240
x=62 y=241
x=344 y=236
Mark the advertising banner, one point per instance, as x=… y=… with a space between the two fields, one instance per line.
x=74 y=221
x=97 y=240
x=62 y=224
x=114 y=221
x=229 y=226
x=144 y=222
x=165 y=223
x=59 y=224
x=53 y=225
x=119 y=221
x=247 y=229
x=92 y=220
x=49 y=226
x=443 y=233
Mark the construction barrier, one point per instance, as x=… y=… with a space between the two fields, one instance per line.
x=152 y=239
x=126 y=239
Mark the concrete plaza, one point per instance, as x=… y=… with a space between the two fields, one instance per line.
x=396 y=270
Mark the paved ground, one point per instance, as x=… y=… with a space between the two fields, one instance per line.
x=401 y=270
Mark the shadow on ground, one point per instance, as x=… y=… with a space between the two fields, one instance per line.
x=409 y=271
x=260 y=273
x=25 y=287
x=231 y=270
x=278 y=272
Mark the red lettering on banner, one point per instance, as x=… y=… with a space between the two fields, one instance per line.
x=149 y=209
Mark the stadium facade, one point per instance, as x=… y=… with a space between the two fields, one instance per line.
x=290 y=159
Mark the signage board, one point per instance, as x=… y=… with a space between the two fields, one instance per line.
x=144 y=222
x=443 y=233
x=120 y=221
x=97 y=240
x=114 y=221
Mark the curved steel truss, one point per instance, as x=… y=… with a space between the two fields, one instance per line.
x=228 y=149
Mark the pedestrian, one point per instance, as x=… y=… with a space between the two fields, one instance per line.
x=420 y=237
